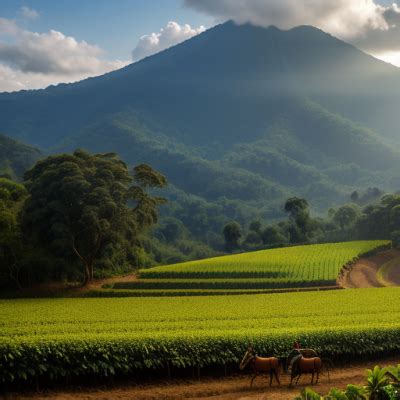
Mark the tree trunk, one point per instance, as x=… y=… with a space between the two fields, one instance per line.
x=16 y=281
x=91 y=269
x=87 y=275
x=14 y=275
x=88 y=262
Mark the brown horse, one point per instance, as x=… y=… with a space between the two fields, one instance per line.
x=303 y=365
x=261 y=365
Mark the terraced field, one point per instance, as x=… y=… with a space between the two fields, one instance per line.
x=55 y=338
x=260 y=271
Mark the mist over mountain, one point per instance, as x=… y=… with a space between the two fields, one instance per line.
x=238 y=118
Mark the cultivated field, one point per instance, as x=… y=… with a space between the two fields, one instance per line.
x=54 y=338
x=259 y=271
x=297 y=263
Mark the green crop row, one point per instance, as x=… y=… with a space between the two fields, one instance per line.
x=54 y=338
x=218 y=284
x=321 y=262
x=196 y=292
x=61 y=358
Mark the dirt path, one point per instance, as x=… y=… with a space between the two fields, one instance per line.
x=60 y=289
x=235 y=388
x=394 y=273
x=363 y=273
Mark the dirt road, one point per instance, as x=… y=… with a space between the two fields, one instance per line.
x=235 y=388
x=363 y=273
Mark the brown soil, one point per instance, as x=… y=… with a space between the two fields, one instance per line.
x=362 y=274
x=59 y=289
x=214 y=389
x=394 y=274
x=98 y=283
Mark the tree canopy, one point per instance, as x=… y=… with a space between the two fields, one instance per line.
x=232 y=233
x=89 y=207
x=12 y=196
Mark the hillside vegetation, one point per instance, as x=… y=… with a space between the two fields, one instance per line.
x=236 y=129
x=16 y=157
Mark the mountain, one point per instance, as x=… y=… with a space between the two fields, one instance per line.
x=238 y=118
x=16 y=157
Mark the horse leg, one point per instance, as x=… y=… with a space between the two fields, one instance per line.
x=277 y=377
x=297 y=381
x=270 y=377
x=317 y=377
x=252 y=379
x=291 y=379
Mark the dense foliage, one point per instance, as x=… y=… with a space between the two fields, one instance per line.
x=49 y=248
x=56 y=338
x=78 y=208
x=12 y=196
x=381 y=384
x=78 y=214
x=371 y=215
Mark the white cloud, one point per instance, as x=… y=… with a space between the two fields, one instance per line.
x=13 y=80
x=367 y=24
x=30 y=60
x=50 y=52
x=391 y=57
x=346 y=18
x=170 y=35
x=388 y=40
x=29 y=13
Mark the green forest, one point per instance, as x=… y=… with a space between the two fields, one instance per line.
x=273 y=146
x=77 y=216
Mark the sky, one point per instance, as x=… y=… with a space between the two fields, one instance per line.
x=45 y=42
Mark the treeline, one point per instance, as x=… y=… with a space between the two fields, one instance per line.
x=79 y=216
x=76 y=216
x=370 y=215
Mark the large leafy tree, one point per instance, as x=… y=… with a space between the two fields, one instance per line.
x=89 y=206
x=345 y=216
x=12 y=196
x=232 y=233
x=299 y=212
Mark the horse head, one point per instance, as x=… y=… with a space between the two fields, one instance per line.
x=247 y=357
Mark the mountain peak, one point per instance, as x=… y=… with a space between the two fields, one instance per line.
x=208 y=78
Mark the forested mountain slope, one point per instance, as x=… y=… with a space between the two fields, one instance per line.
x=16 y=157
x=238 y=118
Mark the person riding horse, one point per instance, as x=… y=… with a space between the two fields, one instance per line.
x=304 y=361
x=295 y=355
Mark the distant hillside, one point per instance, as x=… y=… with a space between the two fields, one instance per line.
x=239 y=118
x=16 y=157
